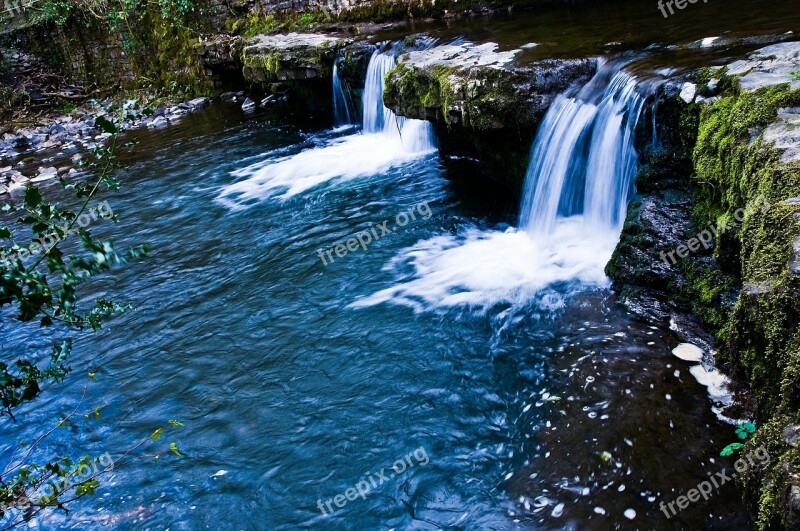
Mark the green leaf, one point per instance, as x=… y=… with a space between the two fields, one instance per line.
x=745 y=430
x=174 y=449
x=87 y=487
x=730 y=449
x=157 y=434
x=104 y=124
x=33 y=197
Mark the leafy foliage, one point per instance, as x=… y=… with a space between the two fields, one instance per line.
x=743 y=432
x=39 y=284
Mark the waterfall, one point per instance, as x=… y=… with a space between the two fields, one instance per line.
x=580 y=176
x=416 y=135
x=341 y=104
x=583 y=160
x=386 y=141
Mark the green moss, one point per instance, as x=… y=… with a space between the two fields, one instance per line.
x=760 y=335
x=260 y=23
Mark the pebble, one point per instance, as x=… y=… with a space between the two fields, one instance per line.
x=688 y=352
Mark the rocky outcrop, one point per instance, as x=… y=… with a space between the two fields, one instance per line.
x=270 y=58
x=482 y=103
x=221 y=58
x=734 y=260
x=300 y=65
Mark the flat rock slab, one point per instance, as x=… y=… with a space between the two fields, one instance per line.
x=268 y=58
x=292 y=40
x=785 y=134
x=478 y=87
x=463 y=55
x=773 y=65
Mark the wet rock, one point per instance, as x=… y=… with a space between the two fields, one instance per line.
x=688 y=92
x=248 y=105
x=56 y=129
x=221 y=55
x=769 y=66
x=45 y=174
x=791 y=434
x=229 y=97
x=17 y=181
x=755 y=289
x=158 y=122
x=784 y=133
x=795 y=266
x=268 y=58
x=198 y=103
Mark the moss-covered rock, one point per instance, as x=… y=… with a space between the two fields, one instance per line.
x=745 y=184
x=270 y=58
x=483 y=105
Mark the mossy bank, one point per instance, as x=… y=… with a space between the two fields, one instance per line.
x=731 y=156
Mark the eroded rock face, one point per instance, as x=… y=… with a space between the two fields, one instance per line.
x=478 y=87
x=741 y=132
x=270 y=58
x=482 y=103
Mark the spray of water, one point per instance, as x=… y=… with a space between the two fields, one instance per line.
x=385 y=142
x=577 y=187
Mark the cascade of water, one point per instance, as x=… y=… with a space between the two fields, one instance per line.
x=583 y=160
x=416 y=135
x=341 y=104
x=385 y=142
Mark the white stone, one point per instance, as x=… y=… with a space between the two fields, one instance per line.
x=688 y=352
x=688 y=92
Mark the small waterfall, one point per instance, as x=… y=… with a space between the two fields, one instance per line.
x=583 y=160
x=386 y=142
x=341 y=103
x=576 y=192
x=416 y=135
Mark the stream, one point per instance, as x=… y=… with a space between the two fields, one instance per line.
x=473 y=340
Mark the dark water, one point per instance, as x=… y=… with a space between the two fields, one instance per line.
x=611 y=26
x=240 y=332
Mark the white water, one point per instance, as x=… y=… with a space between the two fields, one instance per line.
x=385 y=142
x=341 y=104
x=576 y=191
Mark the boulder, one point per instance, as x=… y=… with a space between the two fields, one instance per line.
x=484 y=104
x=269 y=58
